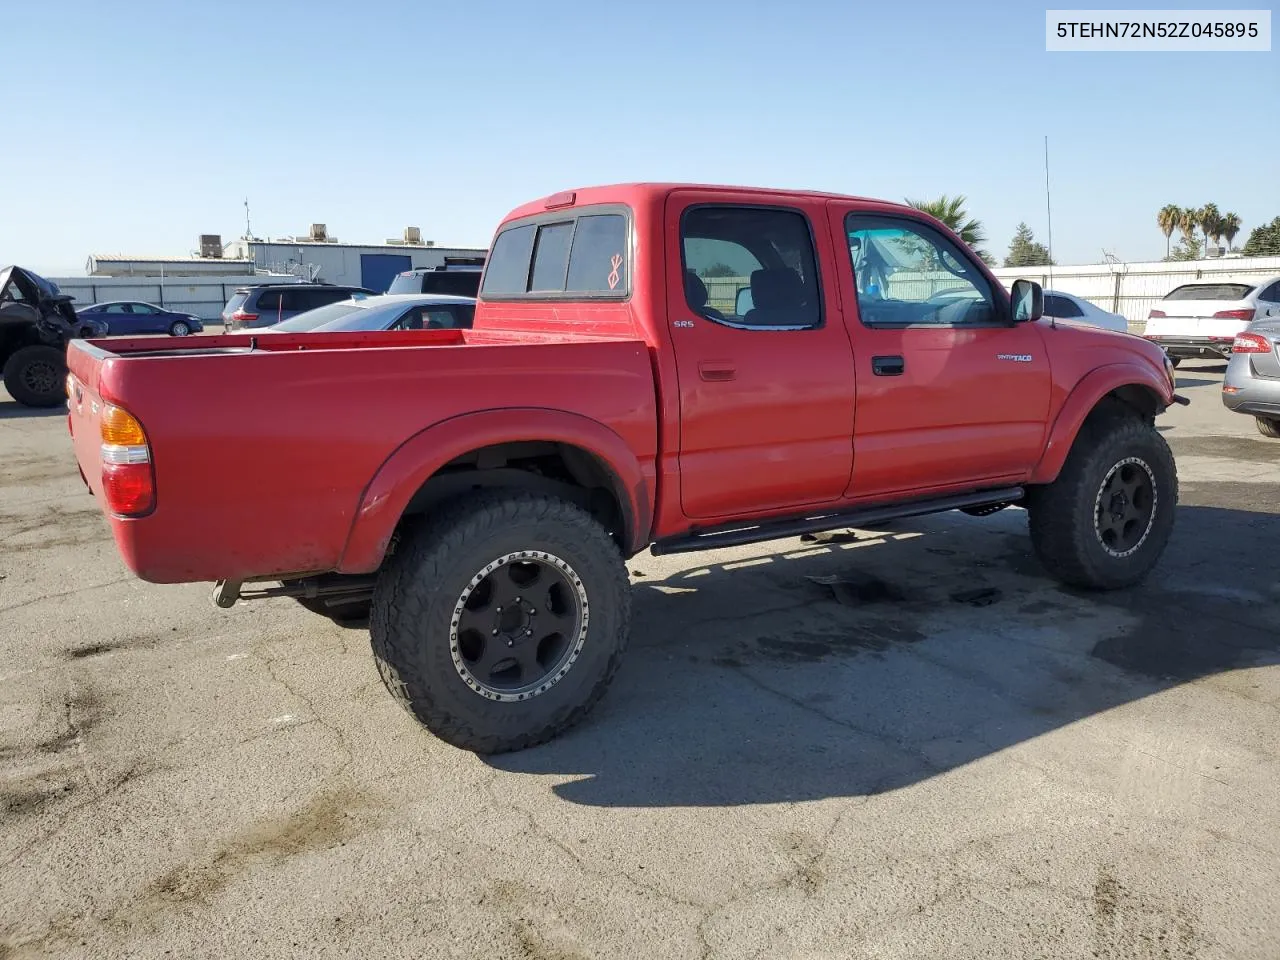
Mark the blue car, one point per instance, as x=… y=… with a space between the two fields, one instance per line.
x=132 y=318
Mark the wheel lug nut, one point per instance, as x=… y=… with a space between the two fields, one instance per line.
x=510 y=643
x=495 y=633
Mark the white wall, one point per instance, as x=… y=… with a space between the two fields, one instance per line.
x=1132 y=289
x=202 y=296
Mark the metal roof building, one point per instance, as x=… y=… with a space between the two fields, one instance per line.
x=123 y=265
x=319 y=256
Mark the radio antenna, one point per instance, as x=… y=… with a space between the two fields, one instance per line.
x=1048 y=209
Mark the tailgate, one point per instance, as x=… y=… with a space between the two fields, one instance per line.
x=84 y=414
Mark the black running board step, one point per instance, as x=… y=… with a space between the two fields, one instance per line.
x=739 y=534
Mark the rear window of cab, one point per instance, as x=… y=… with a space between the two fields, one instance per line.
x=574 y=255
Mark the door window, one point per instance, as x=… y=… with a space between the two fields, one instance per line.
x=751 y=267
x=907 y=274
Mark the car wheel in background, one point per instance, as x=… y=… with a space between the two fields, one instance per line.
x=35 y=375
x=180 y=328
x=1105 y=521
x=1268 y=427
x=500 y=620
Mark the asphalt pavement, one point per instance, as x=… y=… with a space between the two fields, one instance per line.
x=894 y=743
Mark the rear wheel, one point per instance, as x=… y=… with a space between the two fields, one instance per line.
x=1104 y=523
x=34 y=376
x=499 y=622
x=1268 y=426
x=180 y=328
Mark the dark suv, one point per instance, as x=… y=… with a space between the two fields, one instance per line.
x=261 y=306
x=457 y=280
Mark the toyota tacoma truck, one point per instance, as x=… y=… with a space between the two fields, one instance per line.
x=652 y=366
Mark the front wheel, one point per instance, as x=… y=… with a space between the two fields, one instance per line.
x=180 y=328
x=34 y=376
x=1268 y=426
x=1105 y=521
x=499 y=622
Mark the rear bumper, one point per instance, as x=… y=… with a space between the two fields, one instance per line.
x=1188 y=348
x=1257 y=403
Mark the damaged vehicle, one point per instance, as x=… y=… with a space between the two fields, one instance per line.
x=37 y=322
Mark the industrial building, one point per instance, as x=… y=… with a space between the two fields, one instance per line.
x=319 y=256
x=201 y=284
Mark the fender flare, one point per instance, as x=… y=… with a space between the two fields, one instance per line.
x=415 y=461
x=1080 y=403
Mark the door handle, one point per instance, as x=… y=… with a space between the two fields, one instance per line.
x=888 y=366
x=717 y=370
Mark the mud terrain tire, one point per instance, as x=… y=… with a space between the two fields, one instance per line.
x=468 y=609
x=1105 y=521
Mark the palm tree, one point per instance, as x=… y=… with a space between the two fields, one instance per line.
x=1188 y=219
x=1168 y=219
x=1210 y=220
x=951 y=211
x=1230 y=227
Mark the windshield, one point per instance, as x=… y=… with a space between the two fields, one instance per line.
x=1210 y=291
x=319 y=316
x=375 y=318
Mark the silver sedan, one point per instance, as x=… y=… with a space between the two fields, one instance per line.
x=1252 y=383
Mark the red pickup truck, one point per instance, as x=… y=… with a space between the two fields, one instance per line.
x=670 y=367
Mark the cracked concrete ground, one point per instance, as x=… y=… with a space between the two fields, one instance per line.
x=774 y=774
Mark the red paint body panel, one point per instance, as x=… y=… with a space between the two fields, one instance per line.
x=262 y=459
x=300 y=455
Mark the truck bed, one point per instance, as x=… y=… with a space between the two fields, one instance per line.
x=263 y=446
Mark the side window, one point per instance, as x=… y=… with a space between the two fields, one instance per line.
x=465 y=314
x=1271 y=294
x=141 y=309
x=322 y=298
x=458 y=283
x=907 y=273
x=508 y=269
x=296 y=300
x=438 y=318
x=751 y=267
x=268 y=301
x=117 y=308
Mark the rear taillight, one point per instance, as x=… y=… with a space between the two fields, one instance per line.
x=243 y=317
x=1245 y=315
x=1155 y=314
x=128 y=482
x=1250 y=343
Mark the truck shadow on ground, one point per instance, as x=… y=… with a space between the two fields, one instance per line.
x=751 y=683
x=12 y=410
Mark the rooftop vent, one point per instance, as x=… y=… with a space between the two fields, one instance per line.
x=319 y=233
x=211 y=246
x=412 y=235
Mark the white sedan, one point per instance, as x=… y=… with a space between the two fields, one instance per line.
x=1066 y=306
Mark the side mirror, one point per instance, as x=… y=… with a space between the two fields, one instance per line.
x=1028 y=301
x=743 y=303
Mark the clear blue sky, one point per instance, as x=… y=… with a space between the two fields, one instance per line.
x=133 y=127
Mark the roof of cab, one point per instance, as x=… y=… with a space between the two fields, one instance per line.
x=633 y=193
